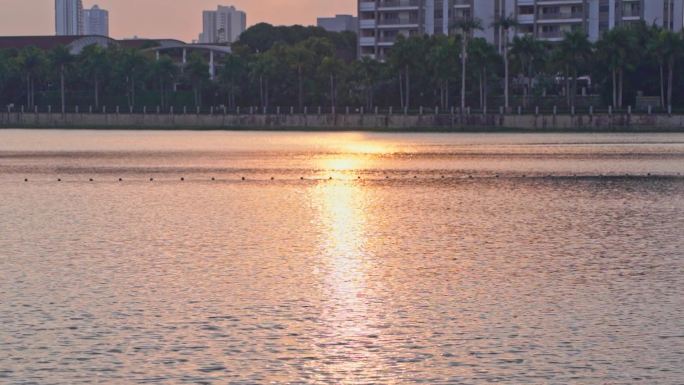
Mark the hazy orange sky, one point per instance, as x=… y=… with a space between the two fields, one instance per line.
x=165 y=18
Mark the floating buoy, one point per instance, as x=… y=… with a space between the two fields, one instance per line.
x=25 y=180
x=182 y=179
x=90 y=180
x=120 y=179
x=59 y=179
x=649 y=174
x=272 y=178
x=470 y=177
x=151 y=179
x=442 y=176
x=243 y=178
x=213 y=178
x=330 y=178
x=301 y=178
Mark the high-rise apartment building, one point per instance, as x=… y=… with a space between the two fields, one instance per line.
x=68 y=17
x=96 y=21
x=225 y=25
x=382 y=21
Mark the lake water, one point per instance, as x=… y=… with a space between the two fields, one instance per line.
x=341 y=258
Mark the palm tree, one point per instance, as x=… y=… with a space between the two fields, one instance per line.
x=164 y=71
x=615 y=49
x=197 y=73
x=403 y=57
x=528 y=53
x=262 y=69
x=467 y=27
x=442 y=61
x=368 y=72
x=61 y=58
x=94 y=64
x=233 y=70
x=32 y=62
x=668 y=47
x=483 y=58
x=134 y=64
x=575 y=51
x=506 y=23
x=299 y=59
x=331 y=67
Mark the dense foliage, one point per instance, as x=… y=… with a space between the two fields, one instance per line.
x=307 y=66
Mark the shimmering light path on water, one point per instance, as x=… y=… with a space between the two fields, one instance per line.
x=535 y=277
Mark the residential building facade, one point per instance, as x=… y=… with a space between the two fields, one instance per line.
x=382 y=21
x=96 y=21
x=223 y=26
x=68 y=17
x=339 y=23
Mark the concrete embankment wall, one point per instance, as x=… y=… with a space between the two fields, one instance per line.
x=380 y=122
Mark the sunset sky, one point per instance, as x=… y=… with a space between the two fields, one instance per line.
x=165 y=18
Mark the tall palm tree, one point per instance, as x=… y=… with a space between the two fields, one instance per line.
x=615 y=49
x=134 y=66
x=261 y=70
x=231 y=74
x=197 y=73
x=61 y=59
x=668 y=47
x=528 y=53
x=484 y=58
x=441 y=60
x=505 y=24
x=404 y=57
x=299 y=59
x=32 y=62
x=331 y=67
x=94 y=64
x=368 y=72
x=164 y=71
x=575 y=50
x=466 y=26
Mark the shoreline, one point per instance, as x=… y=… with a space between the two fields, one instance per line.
x=409 y=130
x=378 y=123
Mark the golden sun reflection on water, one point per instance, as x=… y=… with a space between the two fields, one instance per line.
x=352 y=154
x=346 y=316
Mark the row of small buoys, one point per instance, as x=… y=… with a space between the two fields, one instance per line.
x=415 y=177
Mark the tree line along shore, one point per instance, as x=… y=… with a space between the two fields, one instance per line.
x=295 y=68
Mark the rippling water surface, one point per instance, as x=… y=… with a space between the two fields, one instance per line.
x=341 y=258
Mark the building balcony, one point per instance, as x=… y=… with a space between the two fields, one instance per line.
x=400 y=22
x=398 y=4
x=367 y=6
